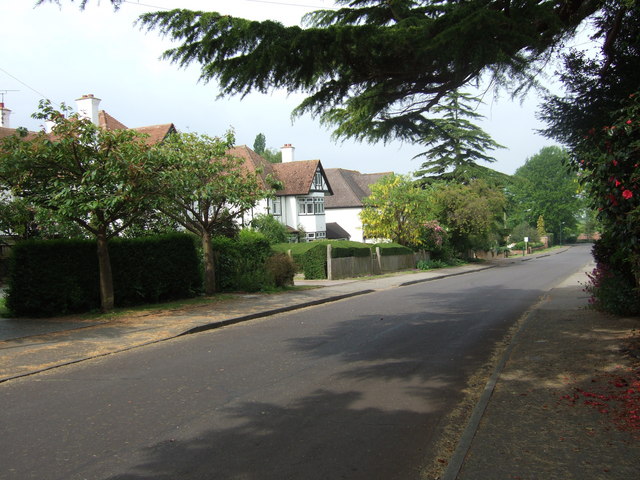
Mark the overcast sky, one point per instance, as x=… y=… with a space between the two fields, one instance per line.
x=61 y=53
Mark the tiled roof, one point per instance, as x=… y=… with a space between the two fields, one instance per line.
x=7 y=132
x=253 y=162
x=350 y=187
x=156 y=133
x=296 y=177
x=107 y=121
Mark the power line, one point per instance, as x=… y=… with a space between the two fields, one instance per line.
x=21 y=82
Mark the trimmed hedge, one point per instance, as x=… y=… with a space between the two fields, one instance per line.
x=164 y=268
x=387 y=249
x=241 y=262
x=57 y=277
x=53 y=277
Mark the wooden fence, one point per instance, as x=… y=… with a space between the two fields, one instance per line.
x=375 y=264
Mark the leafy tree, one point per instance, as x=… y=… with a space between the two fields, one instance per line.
x=544 y=187
x=205 y=189
x=260 y=144
x=455 y=144
x=374 y=68
x=99 y=179
x=271 y=228
x=272 y=155
x=472 y=214
x=524 y=230
x=397 y=209
x=17 y=218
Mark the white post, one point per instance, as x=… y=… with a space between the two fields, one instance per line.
x=329 y=267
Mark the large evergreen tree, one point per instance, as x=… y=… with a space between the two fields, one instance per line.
x=455 y=144
x=375 y=68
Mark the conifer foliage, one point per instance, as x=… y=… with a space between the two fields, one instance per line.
x=374 y=68
x=456 y=144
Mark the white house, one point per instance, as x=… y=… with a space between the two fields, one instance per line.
x=300 y=204
x=343 y=208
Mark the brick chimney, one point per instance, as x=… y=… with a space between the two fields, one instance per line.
x=287 y=152
x=87 y=107
x=4 y=116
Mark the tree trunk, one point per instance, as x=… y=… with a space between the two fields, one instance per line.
x=106 y=277
x=209 y=265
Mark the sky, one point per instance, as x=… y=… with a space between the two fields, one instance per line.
x=61 y=53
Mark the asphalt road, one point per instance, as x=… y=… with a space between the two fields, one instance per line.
x=355 y=389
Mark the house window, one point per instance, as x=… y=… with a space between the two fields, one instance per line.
x=275 y=206
x=311 y=205
x=318 y=183
x=311 y=236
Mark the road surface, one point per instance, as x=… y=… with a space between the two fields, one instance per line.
x=355 y=389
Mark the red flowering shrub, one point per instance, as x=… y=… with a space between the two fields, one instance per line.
x=608 y=161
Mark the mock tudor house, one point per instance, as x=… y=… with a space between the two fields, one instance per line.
x=343 y=209
x=300 y=203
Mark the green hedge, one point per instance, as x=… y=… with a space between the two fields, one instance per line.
x=57 y=277
x=387 y=249
x=309 y=257
x=241 y=262
x=155 y=269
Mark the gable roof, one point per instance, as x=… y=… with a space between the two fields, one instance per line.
x=253 y=162
x=296 y=177
x=155 y=133
x=350 y=187
x=107 y=121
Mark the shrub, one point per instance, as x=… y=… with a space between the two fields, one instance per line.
x=281 y=270
x=271 y=228
x=525 y=230
x=611 y=285
x=57 y=277
x=433 y=264
x=240 y=262
x=521 y=245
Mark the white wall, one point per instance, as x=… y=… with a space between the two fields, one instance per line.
x=347 y=218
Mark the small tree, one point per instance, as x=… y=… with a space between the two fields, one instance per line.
x=204 y=188
x=260 y=144
x=271 y=228
x=540 y=227
x=397 y=209
x=471 y=214
x=99 y=179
